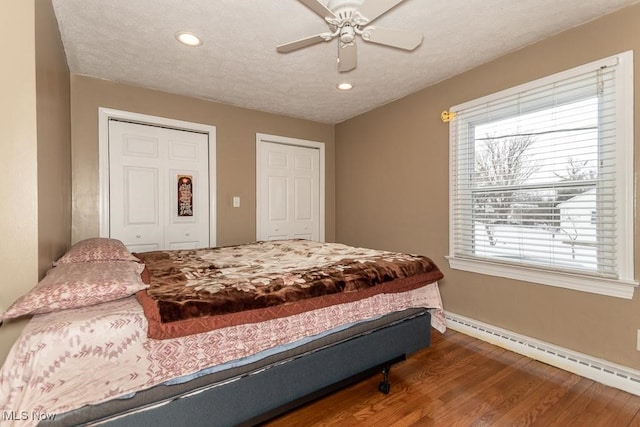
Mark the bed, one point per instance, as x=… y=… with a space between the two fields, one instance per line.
x=217 y=336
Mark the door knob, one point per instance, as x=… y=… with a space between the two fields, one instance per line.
x=138 y=235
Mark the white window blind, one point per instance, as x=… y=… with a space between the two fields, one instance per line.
x=542 y=180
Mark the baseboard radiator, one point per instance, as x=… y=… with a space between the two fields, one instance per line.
x=602 y=371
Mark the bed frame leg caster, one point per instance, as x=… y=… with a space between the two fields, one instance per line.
x=384 y=385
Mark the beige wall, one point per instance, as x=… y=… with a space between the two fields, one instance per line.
x=392 y=193
x=35 y=214
x=53 y=107
x=236 y=130
x=18 y=151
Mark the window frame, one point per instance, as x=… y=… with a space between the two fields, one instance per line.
x=623 y=286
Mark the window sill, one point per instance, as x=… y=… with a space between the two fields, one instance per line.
x=596 y=285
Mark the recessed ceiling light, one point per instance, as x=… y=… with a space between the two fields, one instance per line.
x=345 y=86
x=188 y=39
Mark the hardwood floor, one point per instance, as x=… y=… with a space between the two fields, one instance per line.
x=462 y=381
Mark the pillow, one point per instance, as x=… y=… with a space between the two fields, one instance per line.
x=96 y=249
x=79 y=285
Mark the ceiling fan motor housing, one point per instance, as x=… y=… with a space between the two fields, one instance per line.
x=344 y=9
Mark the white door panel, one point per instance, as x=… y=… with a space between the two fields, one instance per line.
x=277 y=202
x=141 y=192
x=289 y=186
x=138 y=206
x=303 y=199
x=145 y=164
x=134 y=188
x=136 y=145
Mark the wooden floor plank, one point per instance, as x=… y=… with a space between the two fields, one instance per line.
x=462 y=381
x=529 y=407
x=620 y=414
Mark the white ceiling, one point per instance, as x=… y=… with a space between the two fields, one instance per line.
x=133 y=41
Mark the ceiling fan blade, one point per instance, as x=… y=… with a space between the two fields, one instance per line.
x=347 y=56
x=299 y=44
x=372 y=9
x=401 y=39
x=319 y=8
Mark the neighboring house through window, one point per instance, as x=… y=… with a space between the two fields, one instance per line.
x=542 y=180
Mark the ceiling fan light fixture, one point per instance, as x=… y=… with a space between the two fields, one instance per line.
x=344 y=86
x=347 y=34
x=188 y=39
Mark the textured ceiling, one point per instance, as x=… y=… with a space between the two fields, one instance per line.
x=133 y=41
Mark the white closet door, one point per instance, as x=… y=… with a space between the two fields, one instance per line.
x=158 y=187
x=289 y=188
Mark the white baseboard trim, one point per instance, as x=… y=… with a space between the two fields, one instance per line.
x=602 y=371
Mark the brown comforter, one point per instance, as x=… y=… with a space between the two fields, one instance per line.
x=193 y=291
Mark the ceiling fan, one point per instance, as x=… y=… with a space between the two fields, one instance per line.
x=348 y=18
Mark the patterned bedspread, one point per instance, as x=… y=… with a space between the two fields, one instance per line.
x=71 y=358
x=193 y=291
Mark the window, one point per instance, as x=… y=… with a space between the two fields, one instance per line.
x=542 y=180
